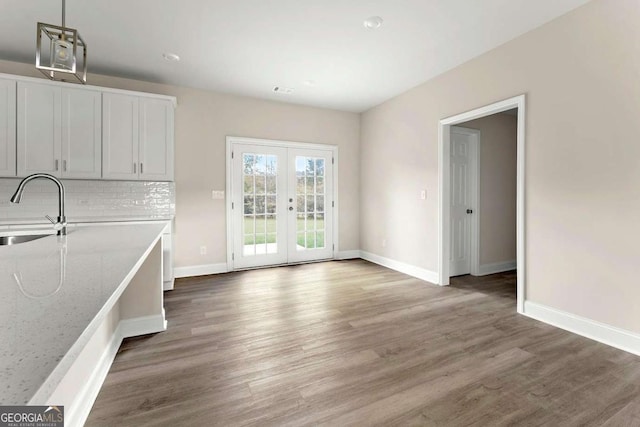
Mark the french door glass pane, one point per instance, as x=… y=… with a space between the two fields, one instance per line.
x=260 y=192
x=310 y=198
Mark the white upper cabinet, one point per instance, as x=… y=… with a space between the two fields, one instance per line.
x=7 y=127
x=84 y=132
x=156 y=140
x=81 y=136
x=119 y=136
x=59 y=131
x=39 y=129
x=137 y=138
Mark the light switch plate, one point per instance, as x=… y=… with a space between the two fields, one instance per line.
x=217 y=194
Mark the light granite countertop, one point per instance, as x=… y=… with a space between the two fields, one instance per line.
x=8 y=222
x=55 y=292
x=47 y=228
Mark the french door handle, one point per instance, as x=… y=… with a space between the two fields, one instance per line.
x=469 y=211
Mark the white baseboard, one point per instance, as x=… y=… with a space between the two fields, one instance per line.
x=420 y=273
x=496 y=267
x=348 y=255
x=606 y=334
x=143 y=325
x=87 y=396
x=411 y=270
x=200 y=270
x=168 y=285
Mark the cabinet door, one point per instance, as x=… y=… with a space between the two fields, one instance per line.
x=167 y=259
x=7 y=127
x=119 y=136
x=81 y=133
x=39 y=136
x=156 y=140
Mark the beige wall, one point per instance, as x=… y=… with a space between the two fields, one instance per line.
x=203 y=120
x=498 y=154
x=581 y=76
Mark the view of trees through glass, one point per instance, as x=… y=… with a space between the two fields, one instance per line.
x=310 y=198
x=260 y=202
x=260 y=191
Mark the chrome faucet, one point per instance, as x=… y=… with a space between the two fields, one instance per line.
x=61 y=224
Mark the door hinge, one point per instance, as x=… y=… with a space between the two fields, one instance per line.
x=333 y=161
x=334 y=246
x=233 y=256
x=333 y=204
x=232 y=154
x=232 y=206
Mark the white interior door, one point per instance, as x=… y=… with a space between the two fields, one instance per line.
x=282 y=202
x=462 y=165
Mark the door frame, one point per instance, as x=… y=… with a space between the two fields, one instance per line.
x=231 y=141
x=474 y=187
x=444 y=187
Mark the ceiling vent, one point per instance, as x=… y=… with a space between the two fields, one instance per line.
x=283 y=90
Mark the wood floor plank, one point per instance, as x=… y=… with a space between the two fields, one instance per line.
x=352 y=343
x=629 y=415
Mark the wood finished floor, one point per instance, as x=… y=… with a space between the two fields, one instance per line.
x=353 y=343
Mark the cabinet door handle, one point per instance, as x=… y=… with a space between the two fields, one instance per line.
x=64 y=165
x=135 y=165
x=56 y=165
x=141 y=168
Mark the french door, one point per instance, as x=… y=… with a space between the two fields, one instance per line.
x=282 y=204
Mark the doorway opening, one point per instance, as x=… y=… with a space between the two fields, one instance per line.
x=459 y=176
x=281 y=202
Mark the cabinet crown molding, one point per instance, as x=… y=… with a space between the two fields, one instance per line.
x=102 y=89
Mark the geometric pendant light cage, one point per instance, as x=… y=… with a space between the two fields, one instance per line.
x=60 y=52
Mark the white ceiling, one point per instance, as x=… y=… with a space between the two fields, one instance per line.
x=247 y=47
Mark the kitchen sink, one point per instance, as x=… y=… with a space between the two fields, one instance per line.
x=14 y=240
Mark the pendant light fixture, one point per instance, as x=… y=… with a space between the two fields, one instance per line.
x=61 y=52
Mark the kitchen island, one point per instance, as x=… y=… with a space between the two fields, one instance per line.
x=67 y=303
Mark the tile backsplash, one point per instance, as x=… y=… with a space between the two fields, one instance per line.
x=87 y=200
